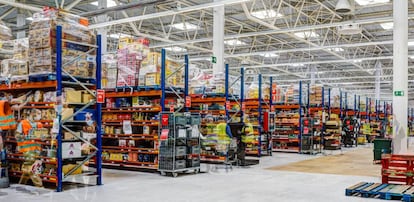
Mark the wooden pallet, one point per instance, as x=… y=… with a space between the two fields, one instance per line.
x=381 y=191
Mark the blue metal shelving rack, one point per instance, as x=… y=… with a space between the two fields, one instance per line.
x=63 y=123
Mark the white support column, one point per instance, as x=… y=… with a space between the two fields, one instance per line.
x=218 y=39
x=103 y=31
x=400 y=76
x=21 y=21
x=378 y=68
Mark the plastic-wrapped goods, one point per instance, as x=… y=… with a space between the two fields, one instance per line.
x=253 y=91
x=14 y=69
x=315 y=97
x=335 y=97
x=150 y=71
x=5 y=32
x=109 y=71
x=292 y=95
x=277 y=94
x=131 y=52
x=199 y=81
x=42 y=44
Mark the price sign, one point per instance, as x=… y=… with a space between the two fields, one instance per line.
x=272 y=108
x=188 y=101
x=243 y=107
x=100 y=96
x=172 y=108
x=228 y=105
x=164 y=120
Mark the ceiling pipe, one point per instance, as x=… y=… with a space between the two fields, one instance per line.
x=166 y=13
x=21 y=5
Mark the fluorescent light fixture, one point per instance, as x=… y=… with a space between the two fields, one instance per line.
x=29 y=18
x=234 y=42
x=119 y=35
x=337 y=49
x=387 y=25
x=307 y=34
x=411 y=43
x=175 y=49
x=185 y=26
x=266 y=14
x=110 y=3
x=411 y=57
x=370 y=2
x=357 y=61
x=297 y=65
x=269 y=55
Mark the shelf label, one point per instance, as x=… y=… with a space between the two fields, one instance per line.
x=398 y=93
x=188 y=101
x=272 y=108
x=164 y=120
x=100 y=96
x=243 y=107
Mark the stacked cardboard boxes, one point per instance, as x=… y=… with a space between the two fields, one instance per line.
x=315 y=95
x=42 y=44
x=131 y=52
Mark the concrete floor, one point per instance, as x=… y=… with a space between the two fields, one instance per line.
x=218 y=185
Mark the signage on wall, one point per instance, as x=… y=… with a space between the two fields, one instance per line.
x=398 y=93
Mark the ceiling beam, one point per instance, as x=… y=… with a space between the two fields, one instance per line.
x=21 y=5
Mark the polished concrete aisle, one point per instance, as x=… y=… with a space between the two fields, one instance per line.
x=215 y=185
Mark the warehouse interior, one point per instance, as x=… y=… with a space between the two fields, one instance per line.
x=206 y=100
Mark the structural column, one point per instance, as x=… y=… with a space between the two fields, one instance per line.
x=218 y=39
x=20 y=22
x=103 y=31
x=400 y=77
x=378 y=67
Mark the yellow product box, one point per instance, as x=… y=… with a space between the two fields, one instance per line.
x=66 y=113
x=86 y=96
x=73 y=96
x=334 y=116
x=69 y=167
x=70 y=136
x=152 y=79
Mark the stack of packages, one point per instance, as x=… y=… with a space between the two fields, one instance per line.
x=362 y=106
x=150 y=72
x=277 y=94
x=335 y=97
x=109 y=71
x=42 y=44
x=316 y=95
x=5 y=32
x=131 y=52
x=292 y=95
x=16 y=68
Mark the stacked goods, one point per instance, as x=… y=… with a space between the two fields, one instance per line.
x=5 y=32
x=109 y=71
x=277 y=94
x=292 y=95
x=131 y=52
x=362 y=106
x=315 y=95
x=42 y=44
x=150 y=72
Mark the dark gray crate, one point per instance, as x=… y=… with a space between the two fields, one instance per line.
x=180 y=151
x=195 y=162
x=180 y=164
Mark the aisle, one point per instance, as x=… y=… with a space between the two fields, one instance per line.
x=355 y=162
x=254 y=184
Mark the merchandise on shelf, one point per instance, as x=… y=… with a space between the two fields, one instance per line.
x=292 y=95
x=109 y=71
x=131 y=52
x=42 y=44
x=315 y=96
x=16 y=66
x=5 y=32
x=150 y=71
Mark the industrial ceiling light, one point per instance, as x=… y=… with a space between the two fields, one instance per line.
x=266 y=14
x=119 y=35
x=343 y=6
x=307 y=34
x=185 y=26
x=370 y=2
x=175 y=49
x=110 y=3
x=234 y=42
x=269 y=55
x=387 y=25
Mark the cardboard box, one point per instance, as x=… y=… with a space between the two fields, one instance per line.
x=152 y=79
x=87 y=97
x=69 y=167
x=70 y=136
x=67 y=112
x=73 y=96
x=71 y=150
